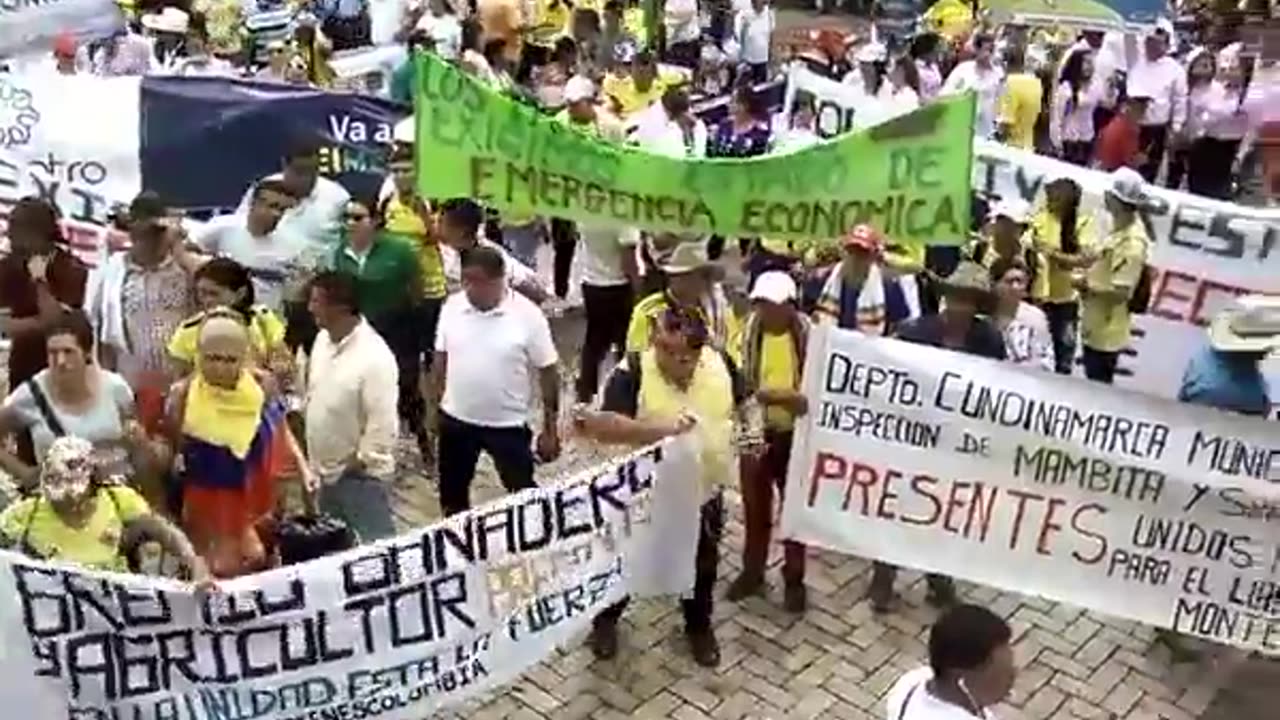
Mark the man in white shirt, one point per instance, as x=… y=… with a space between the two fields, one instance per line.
x=274 y=255
x=487 y=340
x=351 y=421
x=753 y=30
x=1165 y=80
x=610 y=278
x=684 y=31
x=317 y=214
x=672 y=129
x=461 y=220
x=983 y=76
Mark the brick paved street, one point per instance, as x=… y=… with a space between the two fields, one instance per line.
x=838 y=660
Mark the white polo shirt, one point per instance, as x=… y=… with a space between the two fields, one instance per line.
x=489 y=356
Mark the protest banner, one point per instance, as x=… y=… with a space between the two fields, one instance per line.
x=1134 y=506
x=909 y=177
x=31 y=26
x=399 y=629
x=1206 y=252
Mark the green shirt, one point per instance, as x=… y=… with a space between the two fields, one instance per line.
x=386 y=277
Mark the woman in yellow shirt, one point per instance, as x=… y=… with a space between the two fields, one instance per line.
x=224 y=283
x=1064 y=238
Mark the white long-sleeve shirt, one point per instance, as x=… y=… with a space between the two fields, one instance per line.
x=1165 y=80
x=986 y=83
x=351 y=404
x=1225 y=116
x=754 y=31
x=518 y=274
x=1071 y=120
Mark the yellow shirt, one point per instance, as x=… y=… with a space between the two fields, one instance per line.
x=94 y=545
x=1105 y=324
x=709 y=398
x=633 y=23
x=646 y=312
x=1046 y=236
x=777 y=372
x=1019 y=107
x=629 y=98
x=402 y=220
x=1039 y=287
x=551 y=20
x=266 y=333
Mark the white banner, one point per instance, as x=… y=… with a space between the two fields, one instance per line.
x=72 y=140
x=399 y=629
x=30 y=26
x=1206 y=251
x=1138 y=507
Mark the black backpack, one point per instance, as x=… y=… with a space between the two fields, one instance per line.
x=1140 y=300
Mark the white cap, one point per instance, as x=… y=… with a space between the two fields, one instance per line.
x=872 y=52
x=1016 y=209
x=774 y=286
x=579 y=88
x=1128 y=186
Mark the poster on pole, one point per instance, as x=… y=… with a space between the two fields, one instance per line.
x=1129 y=505
x=399 y=630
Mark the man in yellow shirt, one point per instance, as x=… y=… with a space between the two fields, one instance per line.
x=687 y=273
x=1019 y=104
x=1110 y=283
x=637 y=90
x=773 y=348
x=1006 y=239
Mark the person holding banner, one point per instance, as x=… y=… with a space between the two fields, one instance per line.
x=1007 y=241
x=1112 y=280
x=857 y=292
x=679 y=383
x=774 y=340
x=957 y=327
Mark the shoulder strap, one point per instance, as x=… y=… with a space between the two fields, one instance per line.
x=979 y=251
x=46 y=411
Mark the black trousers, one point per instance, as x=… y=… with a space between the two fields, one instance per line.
x=1077 y=153
x=697 y=610
x=1100 y=365
x=608 y=309
x=460 y=446
x=1209 y=162
x=564 y=240
x=399 y=328
x=685 y=54
x=1152 y=139
x=1063 y=321
x=428 y=318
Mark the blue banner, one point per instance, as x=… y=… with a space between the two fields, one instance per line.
x=204 y=141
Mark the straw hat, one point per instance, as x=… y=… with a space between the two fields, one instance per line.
x=688 y=256
x=1249 y=324
x=969 y=277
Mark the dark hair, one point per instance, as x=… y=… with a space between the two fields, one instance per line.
x=471 y=34
x=1073 y=74
x=41 y=215
x=464 y=212
x=750 y=100
x=983 y=40
x=339 y=289
x=227 y=273
x=301 y=148
x=675 y=101
x=686 y=322
x=493 y=49
x=964 y=638
x=910 y=73
x=370 y=203
x=923 y=45
x=75 y=323
x=1001 y=267
x=401 y=153
x=147 y=205
x=419 y=39
x=613 y=6
x=1068 y=241
x=644 y=57
x=1015 y=58
x=273 y=186
x=566 y=47
x=488 y=259
x=804 y=100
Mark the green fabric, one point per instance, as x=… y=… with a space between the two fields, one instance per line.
x=908 y=177
x=387 y=279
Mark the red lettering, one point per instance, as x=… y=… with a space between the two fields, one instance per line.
x=864 y=477
x=1077 y=524
x=1183 y=297
x=1048 y=526
x=1022 y=498
x=1166 y=294
x=954 y=503
x=827 y=466
x=982 y=509
x=923 y=485
x=881 y=510
x=1204 y=308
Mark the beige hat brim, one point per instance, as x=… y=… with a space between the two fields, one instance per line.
x=1223 y=338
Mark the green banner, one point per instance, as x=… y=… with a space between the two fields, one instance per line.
x=908 y=177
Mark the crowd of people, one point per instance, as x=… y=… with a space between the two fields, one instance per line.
x=167 y=395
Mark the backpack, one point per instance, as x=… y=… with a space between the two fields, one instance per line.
x=1140 y=300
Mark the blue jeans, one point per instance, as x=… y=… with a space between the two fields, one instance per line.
x=1063 y=326
x=362 y=502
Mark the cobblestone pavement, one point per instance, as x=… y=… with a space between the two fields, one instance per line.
x=838 y=660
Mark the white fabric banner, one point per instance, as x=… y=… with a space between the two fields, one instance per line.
x=399 y=629
x=72 y=140
x=1138 y=507
x=30 y=26
x=1206 y=251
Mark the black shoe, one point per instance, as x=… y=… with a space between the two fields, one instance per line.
x=795 y=597
x=882 y=596
x=744 y=586
x=703 y=646
x=604 y=640
x=942 y=592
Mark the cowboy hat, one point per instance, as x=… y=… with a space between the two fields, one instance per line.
x=169 y=20
x=1249 y=324
x=688 y=256
x=969 y=277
